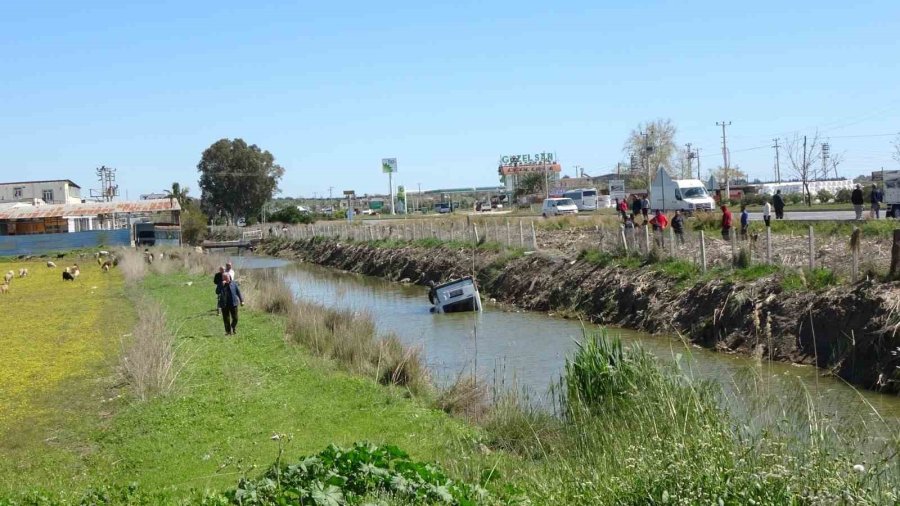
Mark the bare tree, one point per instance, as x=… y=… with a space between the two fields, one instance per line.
x=653 y=144
x=834 y=161
x=803 y=153
x=896 y=154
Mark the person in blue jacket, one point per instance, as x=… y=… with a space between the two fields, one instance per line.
x=229 y=300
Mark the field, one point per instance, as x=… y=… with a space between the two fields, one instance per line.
x=71 y=422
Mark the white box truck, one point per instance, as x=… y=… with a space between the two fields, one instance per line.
x=688 y=195
x=891 y=181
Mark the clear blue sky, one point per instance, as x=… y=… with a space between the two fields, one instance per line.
x=332 y=87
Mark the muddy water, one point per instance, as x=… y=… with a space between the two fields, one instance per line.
x=527 y=350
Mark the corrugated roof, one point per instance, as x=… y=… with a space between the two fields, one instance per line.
x=24 y=211
x=44 y=181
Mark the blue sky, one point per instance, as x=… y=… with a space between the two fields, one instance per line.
x=331 y=88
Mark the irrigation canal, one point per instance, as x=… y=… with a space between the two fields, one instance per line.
x=527 y=351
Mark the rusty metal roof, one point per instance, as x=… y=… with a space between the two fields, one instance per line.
x=24 y=211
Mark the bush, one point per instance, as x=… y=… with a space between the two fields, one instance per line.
x=291 y=215
x=824 y=196
x=843 y=196
x=148 y=358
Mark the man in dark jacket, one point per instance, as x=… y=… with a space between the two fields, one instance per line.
x=635 y=206
x=856 y=198
x=229 y=301
x=678 y=227
x=778 y=204
x=876 y=197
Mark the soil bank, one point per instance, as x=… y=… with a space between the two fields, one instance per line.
x=849 y=330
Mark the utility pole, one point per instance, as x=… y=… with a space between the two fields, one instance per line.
x=725 y=159
x=618 y=169
x=825 y=149
x=805 y=173
x=690 y=155
x=329 y=191
x=646 y=149
x=777 y=162
x=419 y=197
x=699 y=176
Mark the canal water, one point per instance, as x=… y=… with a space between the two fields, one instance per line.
x=526 y=351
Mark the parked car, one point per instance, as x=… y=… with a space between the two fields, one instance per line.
x=558 y=207
x=368 y=212
x=443 y=207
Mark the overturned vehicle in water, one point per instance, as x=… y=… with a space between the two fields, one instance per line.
x=455 y=296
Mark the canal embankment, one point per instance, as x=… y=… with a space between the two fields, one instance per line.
x=846 y=329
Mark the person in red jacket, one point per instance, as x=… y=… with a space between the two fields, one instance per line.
x=726 y=223
x=659 y=222
x=623 y=208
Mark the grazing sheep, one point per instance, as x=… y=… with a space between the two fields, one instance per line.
x=50 y=264
x=67 y=276
x=60 y=255
x=23 y=272
x=75 y=271
x=105 y=267
x=4 y=288
x=8 y=277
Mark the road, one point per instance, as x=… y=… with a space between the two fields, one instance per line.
x=808 y=215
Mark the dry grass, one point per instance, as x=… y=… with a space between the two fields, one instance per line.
x=148 y=358
x=465 y=397
x=132 y=265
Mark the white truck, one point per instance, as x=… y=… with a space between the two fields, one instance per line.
x=890 y=180
x=688 y=195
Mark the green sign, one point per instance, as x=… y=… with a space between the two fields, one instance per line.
x=389 y=165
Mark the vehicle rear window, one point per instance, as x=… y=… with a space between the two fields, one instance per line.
x=590 y=193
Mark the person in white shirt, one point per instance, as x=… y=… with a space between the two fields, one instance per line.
x=767 y=213
x=230 y=271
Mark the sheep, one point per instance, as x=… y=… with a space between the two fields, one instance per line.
x=75 y=271
x=67 y=276
x=23 y=272
x=105 y=266
x=8 y=277
x=4 y=288
x=51 y=264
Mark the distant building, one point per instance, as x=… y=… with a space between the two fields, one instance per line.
x=56 y=191
x=30 y=218
x=788 y=187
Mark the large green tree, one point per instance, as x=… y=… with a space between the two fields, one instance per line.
x=237 y=179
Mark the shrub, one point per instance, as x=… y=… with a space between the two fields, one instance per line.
x=291 y=215
x=148 y=358
x=466 y=396
x=824 y=196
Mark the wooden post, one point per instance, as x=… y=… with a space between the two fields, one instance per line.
x=854 y=250
x=671 y=241
x=431 y=229
x=703 y=251
x=475 y=232
x=733 y=238
x=895 y=255
x=508 y=236
x=533 y=237
x=768 y=245
x=521 y=235
x=647 y=237
x=624 y=239
x=812 y=249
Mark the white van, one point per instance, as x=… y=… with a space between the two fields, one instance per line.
x=584 y=198
x=558 y=207
x=688 y=195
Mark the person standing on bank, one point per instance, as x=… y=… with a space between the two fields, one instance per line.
x=229 y=301
x=635 y=206
x=645 y=208
x=726 y=223
x=778 y=204
x=217 y=280
x=745 y=222
x=856 y=198
x=767 y=213
x=678 y=227
x=876 y=197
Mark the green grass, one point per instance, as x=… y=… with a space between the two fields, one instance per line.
x=806 y=279
x=232 y=395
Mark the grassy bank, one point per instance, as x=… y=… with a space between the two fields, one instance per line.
x=214 y=425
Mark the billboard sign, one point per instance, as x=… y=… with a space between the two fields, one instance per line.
x=388 y=165
x=617 y=189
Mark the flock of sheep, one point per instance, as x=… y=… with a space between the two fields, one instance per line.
x=105 y=260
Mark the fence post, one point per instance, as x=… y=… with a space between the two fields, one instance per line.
x=703 y=251
x=768 y=245
x=647 y=237
x=624 y=239
x=533 y=237
x=671 y=241
x=521 y=235
x=733 y=238
x=895 y=255
x=508 y=235
x=475 y=232
x=812 y=248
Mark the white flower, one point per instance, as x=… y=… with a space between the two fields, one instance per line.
x=859 y=468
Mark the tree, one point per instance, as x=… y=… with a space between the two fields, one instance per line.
x=803 y=153
x=179 y=193
x=291 y=215
x=653 y=144
x=237 y=179
x=843 y=196
x=531 y=183
x=193 y=222
x=734 y=174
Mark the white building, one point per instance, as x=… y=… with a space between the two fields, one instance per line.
x=788 y=187
x=59 y=191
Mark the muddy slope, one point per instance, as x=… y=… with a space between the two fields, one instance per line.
x=850 y=331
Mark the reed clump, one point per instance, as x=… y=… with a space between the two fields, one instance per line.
x=148 y=357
